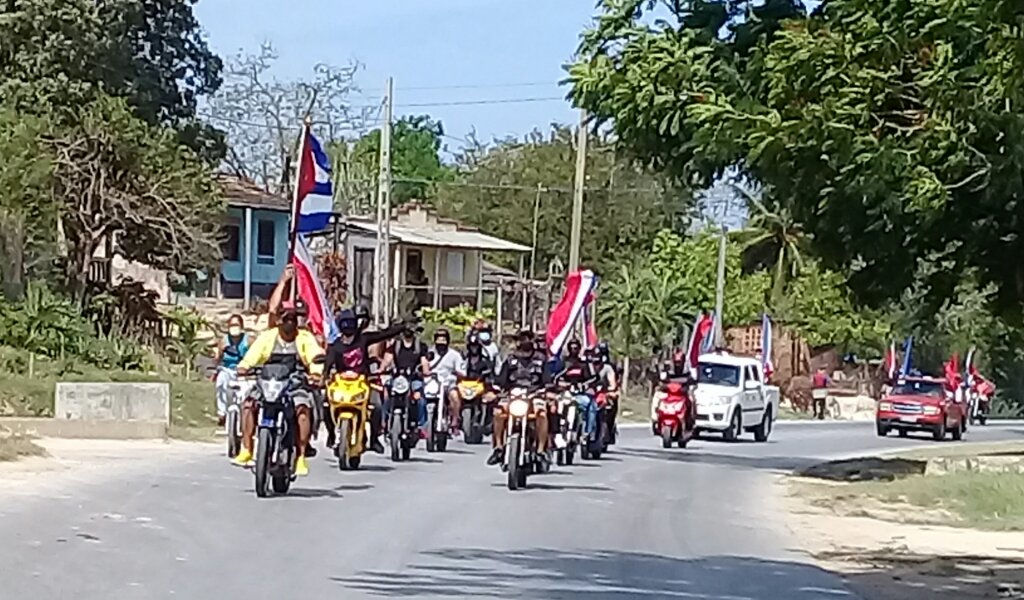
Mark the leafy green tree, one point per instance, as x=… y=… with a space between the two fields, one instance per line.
x=416 y=143
x=62 y=53
x=504 y=187
x=773 y=240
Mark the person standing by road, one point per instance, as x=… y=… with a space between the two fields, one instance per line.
x=820 y=383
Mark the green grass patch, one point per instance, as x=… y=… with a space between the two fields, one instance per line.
x=990 y=501
x=15 y=446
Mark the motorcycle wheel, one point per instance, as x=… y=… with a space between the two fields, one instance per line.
x=395 y=434
x=982 y=419
x=345 y=462
x=560 y=457
x=263 y=444
x=516 y=476
x=683 y=439
x=441 y=443
x=666 y=436
x=234 y=440
x=570 y=454
x=282 y=480
x=431 y=426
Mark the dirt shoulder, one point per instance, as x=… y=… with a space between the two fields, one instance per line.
x=66 y=463
x=893 y=546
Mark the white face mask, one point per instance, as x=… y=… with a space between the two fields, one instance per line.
x=234 y=331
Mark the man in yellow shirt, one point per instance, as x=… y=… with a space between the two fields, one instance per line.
x=280 y=351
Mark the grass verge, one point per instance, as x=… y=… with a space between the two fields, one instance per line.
x=15 y=446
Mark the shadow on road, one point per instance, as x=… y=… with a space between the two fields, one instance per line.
x=537 y=485
x=334 y=492
x=784 y=464
x=559 y=575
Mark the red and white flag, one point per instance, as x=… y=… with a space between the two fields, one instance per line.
x=307 y=281
x=766 y=347
x=890 y=361
x=579 y=293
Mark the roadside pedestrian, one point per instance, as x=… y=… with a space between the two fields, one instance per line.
x=819 y=392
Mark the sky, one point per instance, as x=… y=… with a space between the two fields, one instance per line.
x=464 y=50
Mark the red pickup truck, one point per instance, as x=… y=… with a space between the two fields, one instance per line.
x=921 y=404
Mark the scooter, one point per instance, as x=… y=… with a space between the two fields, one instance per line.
x=475 y=414
x=674 y=418
x=348 y=395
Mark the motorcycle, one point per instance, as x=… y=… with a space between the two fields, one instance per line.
x=348 y=395
x=437 y=415
x=521 y=456
x=476 y=416
x=403 y=430
x=978 y=408
x=674 y=418
x=595 y=425
x=240 y=390
x=571 y=429
x=275 y=441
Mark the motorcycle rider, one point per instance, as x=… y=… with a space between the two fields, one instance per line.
x=609 y=380
x=525 y=368
x=409 y=356
x=576 y=369
x=230 y=350
x=475 y=365
x=445 y=364
x=489 y=346
x=351 y=352
x=289 y=345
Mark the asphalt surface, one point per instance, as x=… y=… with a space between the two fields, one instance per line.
x=642 y=523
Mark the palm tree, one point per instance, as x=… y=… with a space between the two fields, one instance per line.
x=773 y=239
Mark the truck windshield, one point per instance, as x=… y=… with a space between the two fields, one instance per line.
x=716 y=374
x=918 y=388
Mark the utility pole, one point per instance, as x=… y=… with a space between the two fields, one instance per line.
x=720 y=292
x=577 y=194
x=382 y=290
x=536 y=225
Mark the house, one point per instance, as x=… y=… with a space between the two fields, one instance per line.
x=434 y=262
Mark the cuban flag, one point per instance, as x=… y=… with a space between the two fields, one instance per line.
x=709 y=333
x=579 y=293
x=314 y=193
x=908 y=353
x=590 y=338
x=969 y=370
x=766 y=347
x=703 y=331
x=307 y=280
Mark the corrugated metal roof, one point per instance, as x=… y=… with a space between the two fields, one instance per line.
x=470 y=240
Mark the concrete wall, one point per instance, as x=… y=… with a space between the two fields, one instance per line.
x=113 y=402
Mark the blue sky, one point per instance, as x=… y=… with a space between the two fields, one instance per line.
x=496 y=45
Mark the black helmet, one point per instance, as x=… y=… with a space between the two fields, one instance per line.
x=442 y=333
x=348 y=323
x=603 y=350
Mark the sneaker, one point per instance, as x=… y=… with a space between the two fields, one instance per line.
x=310 y=451
x=496 y=457
x=376 y=446
x=244 y=459
x=301 y=468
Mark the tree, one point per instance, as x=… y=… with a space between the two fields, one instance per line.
x=416 y=143
x=62 y=53
x=891 y=130
x=626 y=205
x=262 y=116
x=121 y=179
x=773 y=240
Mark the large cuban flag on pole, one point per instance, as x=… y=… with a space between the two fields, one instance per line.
x=309 y=288
x=314 y=194
x=578 y=296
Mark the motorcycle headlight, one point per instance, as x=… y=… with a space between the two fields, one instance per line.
x=519 y=408
x=400 y=385
x=518 y=392
x=272 y=390
x=468 y=393
x=432 y=388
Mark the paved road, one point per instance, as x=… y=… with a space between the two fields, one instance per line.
x=644 y=523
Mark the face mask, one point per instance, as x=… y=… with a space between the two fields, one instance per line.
x=289 y=327
x=348 y=331
x=442 y=349
x=234 y=331
x=526 y=346
x=485 y=338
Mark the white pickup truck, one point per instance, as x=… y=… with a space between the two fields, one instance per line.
x=731 y=397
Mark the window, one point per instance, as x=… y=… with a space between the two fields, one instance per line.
x=716 y=374
x=753 y=374
x=230 y=246
x=455 y=265
x=265 y=242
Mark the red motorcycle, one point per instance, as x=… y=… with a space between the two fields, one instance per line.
x=674 y=415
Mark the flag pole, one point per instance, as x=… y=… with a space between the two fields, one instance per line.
x=296 y=203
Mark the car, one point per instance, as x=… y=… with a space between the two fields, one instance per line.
x=921 y=404
x=731 y=397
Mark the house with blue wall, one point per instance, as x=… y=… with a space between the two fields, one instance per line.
x=255 y=240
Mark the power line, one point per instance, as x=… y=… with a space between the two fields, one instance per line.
x=526 y=188
x=474 y=86
x=481 y=102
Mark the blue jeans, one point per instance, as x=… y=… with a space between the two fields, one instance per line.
x=588 y=406
x=421 y=402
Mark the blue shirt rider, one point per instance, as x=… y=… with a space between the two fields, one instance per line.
x=230 y=351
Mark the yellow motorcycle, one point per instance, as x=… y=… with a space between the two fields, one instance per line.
x=475 y=414
x=348 y=395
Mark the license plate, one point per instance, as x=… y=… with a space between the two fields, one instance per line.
x=908 y=419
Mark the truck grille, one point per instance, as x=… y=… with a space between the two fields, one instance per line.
x=907 y=409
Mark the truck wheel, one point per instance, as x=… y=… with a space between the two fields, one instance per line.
x=904 y=433
x=735 y=427
x=881 y=429
x=764 y=429
x=939 y=433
